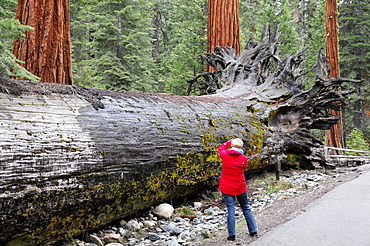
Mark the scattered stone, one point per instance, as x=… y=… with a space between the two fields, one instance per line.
x=171 y=228
x=123 y=223
x=95 y=239
x=197 y=205
x=149 y=223
x=173 y=242
x=153 y=236
x=134 y=225
x=164 y=210
x=122 y=231
x=111 y=238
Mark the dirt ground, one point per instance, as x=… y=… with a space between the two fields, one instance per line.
x=284 y=210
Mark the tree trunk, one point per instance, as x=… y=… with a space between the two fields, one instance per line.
x=74 y=159
x=334 y=136
x=77 y=158
x=46 y=50
x=223 y=25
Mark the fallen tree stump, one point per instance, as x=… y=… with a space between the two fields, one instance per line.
x=74 y=159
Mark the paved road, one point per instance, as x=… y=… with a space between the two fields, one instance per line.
x=339 y=218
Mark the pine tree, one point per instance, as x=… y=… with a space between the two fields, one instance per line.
x=312 y=28
x=112 y=45
x=161 y=40
x=356 y=140
x=10 y=30
x=187 y=25
x=254 y=15
x=354 y=22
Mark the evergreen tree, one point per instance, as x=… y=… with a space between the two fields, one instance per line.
x=112 y=44
x=312 y=28
x=255 y=14
x=354 y=23
x=161 y=41
x=11 y=29
x=249 y=19
x=356 y=140
x=188 y=38
x=301 y=25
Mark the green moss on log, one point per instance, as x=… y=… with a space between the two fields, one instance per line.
x=79 y=211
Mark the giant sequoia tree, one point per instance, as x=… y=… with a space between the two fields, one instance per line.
x=334 y=136
x=74 y=159
x=46 y=50
x=223 y=25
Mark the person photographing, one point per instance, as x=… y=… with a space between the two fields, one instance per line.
x=233 y=185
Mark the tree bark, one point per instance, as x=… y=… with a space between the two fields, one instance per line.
x=46 y=50
x=223 y=25
x=334 y=136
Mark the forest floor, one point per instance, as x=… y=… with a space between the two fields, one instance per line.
x=283 y=210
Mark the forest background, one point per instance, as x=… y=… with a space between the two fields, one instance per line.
x=156 y=45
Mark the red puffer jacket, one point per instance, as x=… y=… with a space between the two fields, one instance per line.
x=232 y=181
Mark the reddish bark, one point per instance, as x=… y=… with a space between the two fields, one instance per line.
x=46 y=50
x=334 y=136
x=223 y=25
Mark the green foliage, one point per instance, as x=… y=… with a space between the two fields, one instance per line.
x=272 y=12
x=189 y=29
x=112 y=45
x=354 y=22
x=7 y=8
x=356 y=140
x=312 y=26
x=354 y=44
x=184 y=211
x=151 y=46
x=269 y=183
x=181 y=46
x=301 y=25
x=10 y=30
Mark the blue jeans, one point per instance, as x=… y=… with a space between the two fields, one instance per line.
x=230 y=205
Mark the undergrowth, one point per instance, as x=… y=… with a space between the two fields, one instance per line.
x=269 y=183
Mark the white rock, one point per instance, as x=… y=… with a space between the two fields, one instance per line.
x=172 y=242
x=164 y=210
x=111 y=238
x=134 y=225
x=149 y=223
x=198 y=204
x=96 y=240
x=122 y=231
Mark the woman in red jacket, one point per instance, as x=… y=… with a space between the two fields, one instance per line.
x=233 y=184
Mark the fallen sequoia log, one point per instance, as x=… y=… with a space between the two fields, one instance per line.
x=74 y=159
